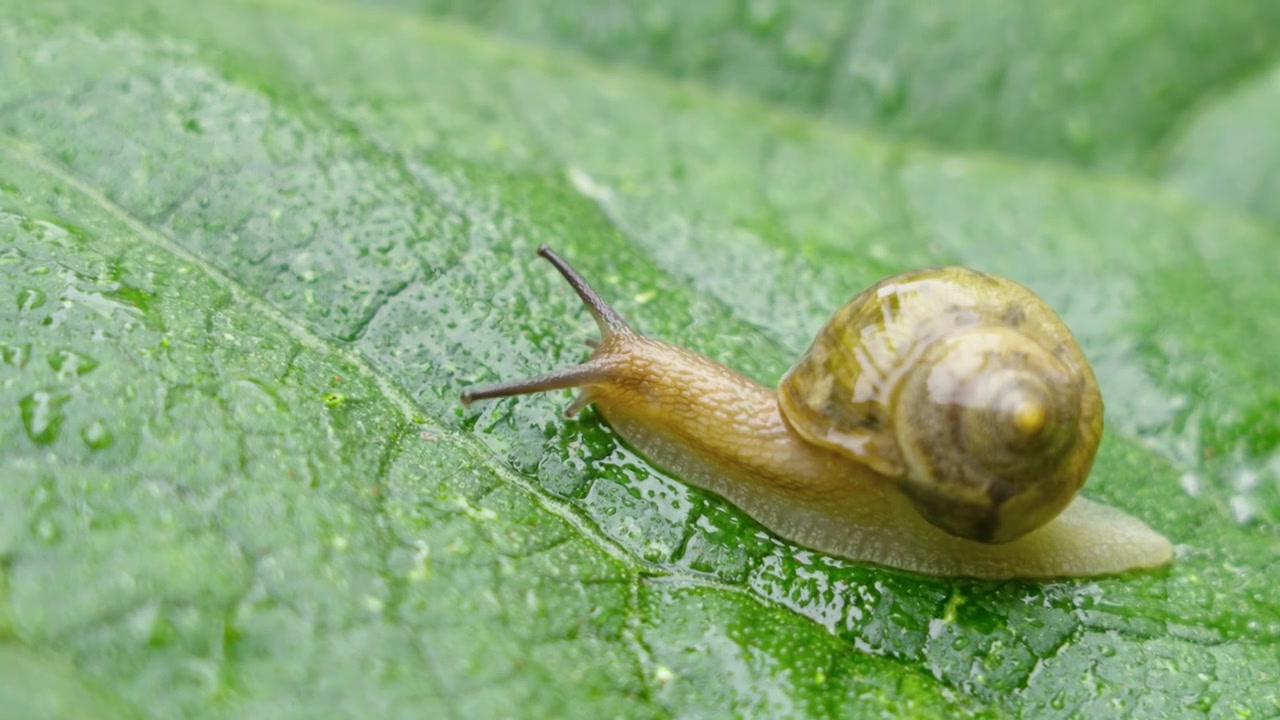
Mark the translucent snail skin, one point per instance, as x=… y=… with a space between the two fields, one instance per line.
x=942 y=422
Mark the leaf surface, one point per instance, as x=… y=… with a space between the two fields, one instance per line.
x=1089 y=83
x=254 y=250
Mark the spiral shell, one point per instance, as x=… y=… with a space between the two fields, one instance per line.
x=963 y=388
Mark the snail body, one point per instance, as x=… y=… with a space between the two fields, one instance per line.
x=911 y=434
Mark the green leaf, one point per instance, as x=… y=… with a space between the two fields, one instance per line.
x=1088 y=82
x=1229 y=153
x=254 y=250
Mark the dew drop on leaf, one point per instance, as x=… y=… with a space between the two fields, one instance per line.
x=42 y=415
x=96 y=435
x=30 y=299
x=1243 y=509
x=46 y=530
x=69 y=362
x=15 y=355
x=11 y=256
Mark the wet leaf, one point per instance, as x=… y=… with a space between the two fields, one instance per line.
x=1090 y=82
x=272 y=241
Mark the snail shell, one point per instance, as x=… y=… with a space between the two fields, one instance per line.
x=941 y=423
x=964 y=388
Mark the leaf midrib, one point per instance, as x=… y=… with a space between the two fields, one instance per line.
x=410 y=413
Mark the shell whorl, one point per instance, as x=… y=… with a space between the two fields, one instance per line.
x=963 y=388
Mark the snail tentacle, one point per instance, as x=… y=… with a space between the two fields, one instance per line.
x=609 y=320
x=587 y=373
x=598 y=369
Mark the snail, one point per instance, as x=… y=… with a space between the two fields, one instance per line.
x=942 y=422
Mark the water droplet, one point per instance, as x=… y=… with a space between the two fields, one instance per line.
x=46 y=530
x=1246 y=479
x=1191 y=483
x=97 y=436
x=129 y=295
x=15 y=355
x=102 y=303
x=38 y=270
x=655 y=552
x=11 y=256
x=49 y=233
x=69 y=362
x=30 y=298
x=1243 y=508
x=42 y=415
